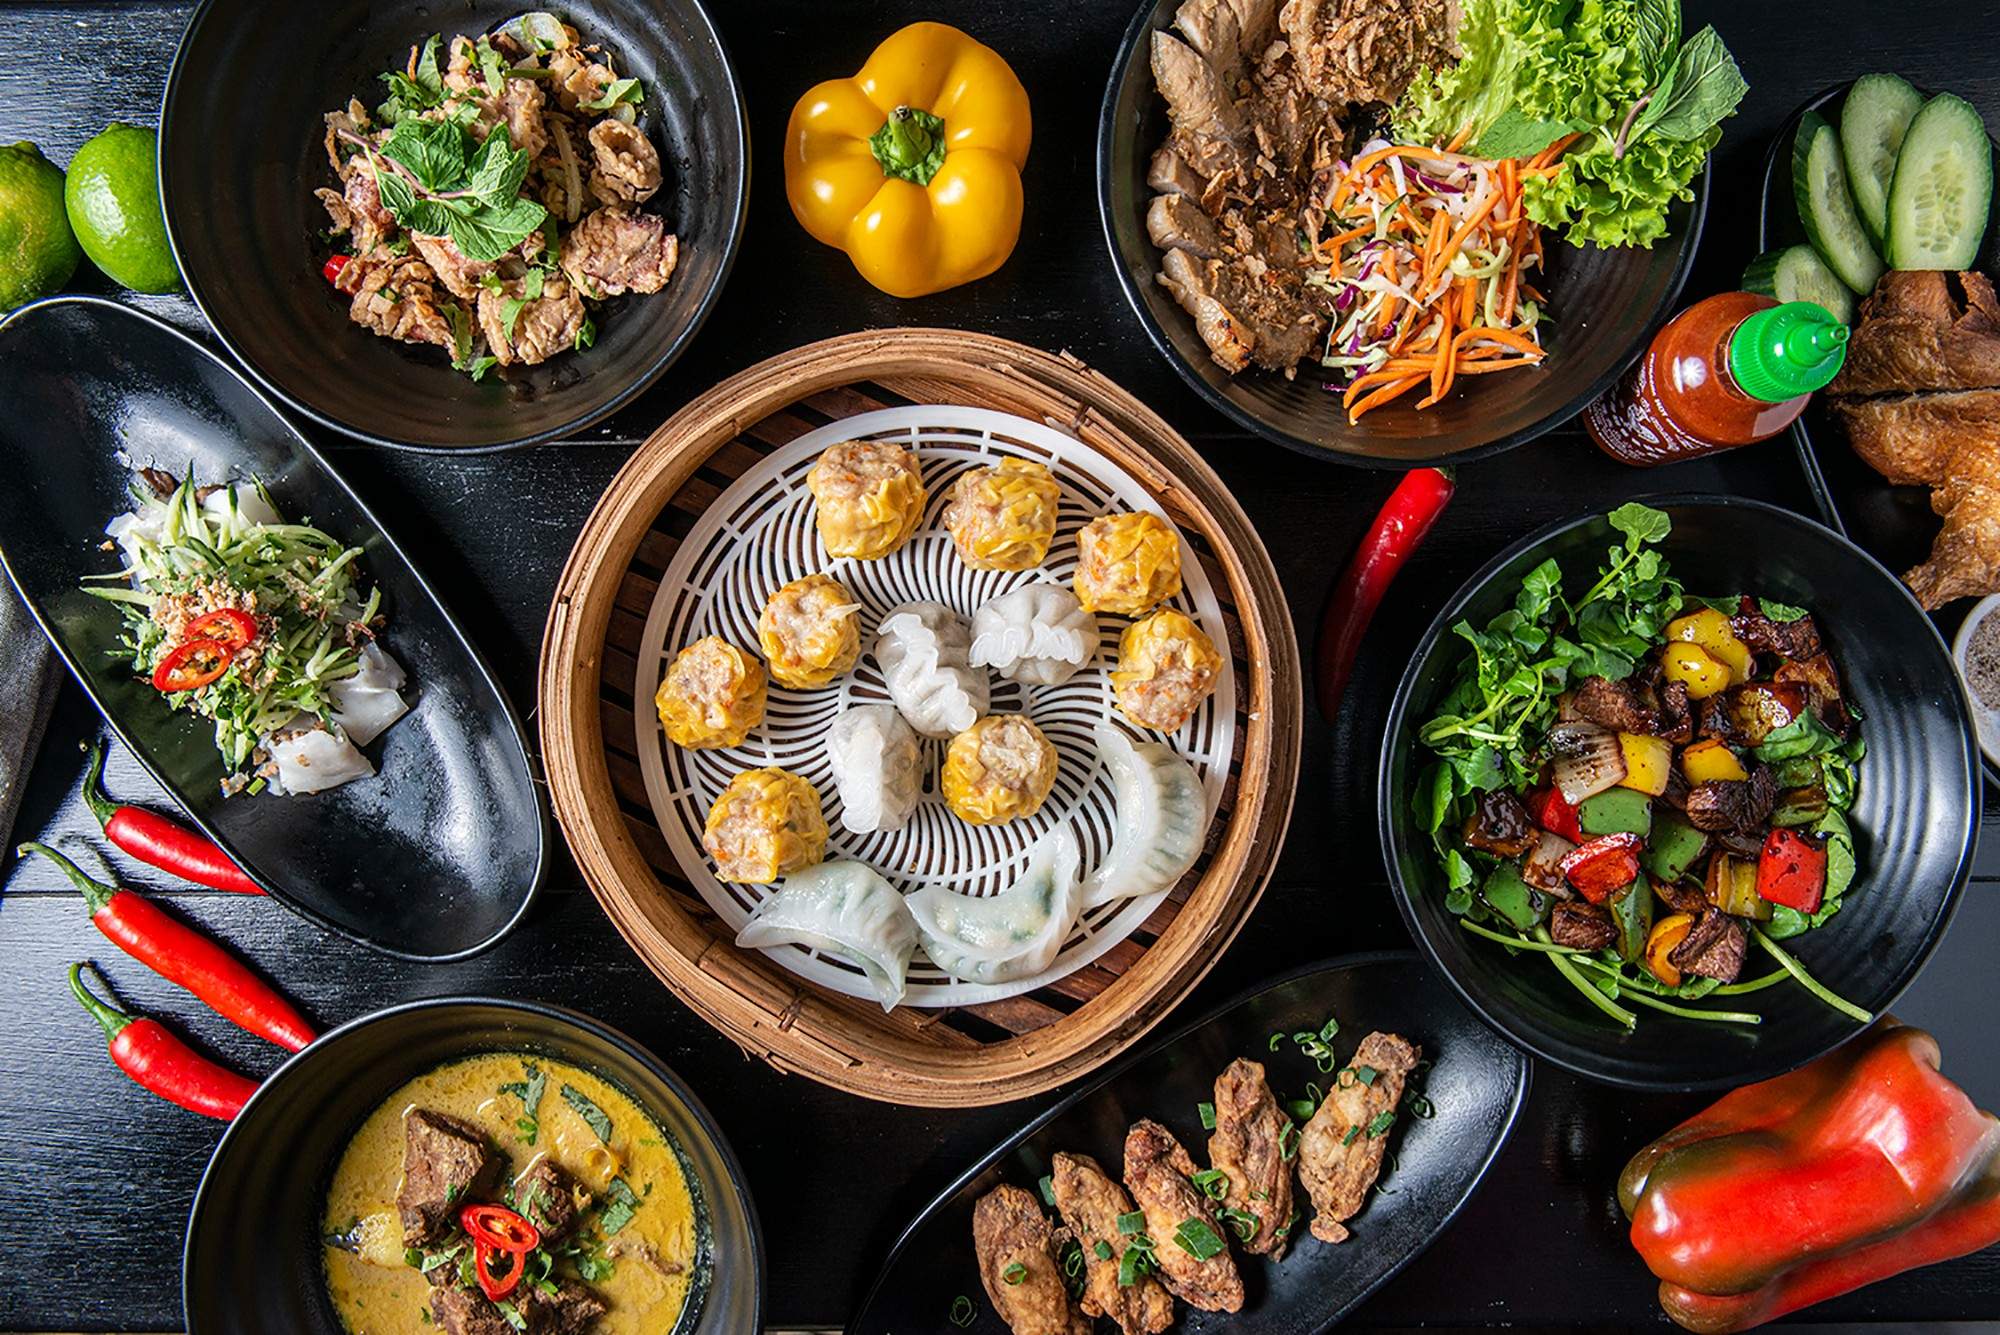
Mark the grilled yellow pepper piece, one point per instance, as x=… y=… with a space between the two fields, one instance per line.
x=1710 y=629
x=913 y=165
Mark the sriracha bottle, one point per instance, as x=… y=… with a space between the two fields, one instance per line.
x=1727 y=371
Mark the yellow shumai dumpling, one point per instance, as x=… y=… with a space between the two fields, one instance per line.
x=870 y=497
x=810 y=631
x=712 y=695
x=999 y=769
x=1167 y=665
x=1127 y=563
x=766 y=824
x=1004 y=517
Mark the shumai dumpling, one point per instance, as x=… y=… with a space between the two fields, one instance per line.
x=712 y=695
x=1167 y=665
x=999 y=769
x=1004 y=517
x=870 y=497
x=766 y=824
x=1127 y=563
x=810 y=631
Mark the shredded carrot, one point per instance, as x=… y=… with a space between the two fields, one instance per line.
x=1394 y=389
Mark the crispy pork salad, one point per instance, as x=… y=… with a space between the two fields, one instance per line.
x=494 y=194
x=1642 y=786
x=258 y=625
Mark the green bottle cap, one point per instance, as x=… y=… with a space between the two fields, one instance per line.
x=1785 y=351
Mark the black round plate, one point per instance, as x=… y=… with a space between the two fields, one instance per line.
x=436 y=856
x=1605 y=303
x=1477 y=1086
x=253 y=1261
x=237 y=188
x=1915 y=819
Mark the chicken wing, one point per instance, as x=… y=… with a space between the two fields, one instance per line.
x=1018 y=1266
x=1180 y=1220
x=1340 y=1151
x=1090 y=1204
x=1247 y=1148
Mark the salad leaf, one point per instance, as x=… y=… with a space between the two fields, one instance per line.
x=1600 y=197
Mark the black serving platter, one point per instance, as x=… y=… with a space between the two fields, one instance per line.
x=436 y=856
x=1915 y=817
x=1605 y=305
x=247 y=232
x=1894 y=524
x=1476 y=1086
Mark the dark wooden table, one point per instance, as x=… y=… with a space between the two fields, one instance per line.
x=96 y=1178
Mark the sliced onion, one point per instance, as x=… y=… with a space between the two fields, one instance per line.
x=1584 y=760
x=1543 y=866
x=572 y=179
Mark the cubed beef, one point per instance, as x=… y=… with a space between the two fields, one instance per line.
x=1617 y=705
x=1581 y=926
x=550 y=1198
x=1787 y=639
x=1821 y=681
x=1713 y=949
x=1676 y=713
x=1682 y=897
x=1732 y=804
x=446 y=1164
x=567 y=1310
x=457 y=1311
x=1500 y=825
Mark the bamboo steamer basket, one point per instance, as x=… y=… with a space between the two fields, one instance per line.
x=971 y=1055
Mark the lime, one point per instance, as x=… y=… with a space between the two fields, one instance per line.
x=38 y=252
x=113 y=194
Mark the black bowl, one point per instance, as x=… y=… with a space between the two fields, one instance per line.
x=237 y=187
x=1605 y=304
x=253 y=1262
x=436 y=856
x=1915 y=819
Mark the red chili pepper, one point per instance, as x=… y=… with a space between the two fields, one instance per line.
x=158 y=1061
x=160 y=842
x=1556 y=814
x=232 y=629
x=1791 y=870
x=191 y=665
x=1399 y=529
x=331 y=269
x=498 y=1226
x=186 y=957
x=1603 y=865
x=495 y=1286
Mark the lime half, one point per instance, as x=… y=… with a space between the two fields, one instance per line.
x=38 y=251
x=113 y=194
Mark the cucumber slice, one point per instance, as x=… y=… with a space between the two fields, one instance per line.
x=1943 y=188
x=1819 y=182
x=1873 y=120
x=1797 y=273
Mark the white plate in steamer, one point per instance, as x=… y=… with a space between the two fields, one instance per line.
x=759 y=534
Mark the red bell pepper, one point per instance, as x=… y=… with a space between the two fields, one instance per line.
x=1556 y=814
x=1791 y=870
x=1862 y=1165
x=1607 y=863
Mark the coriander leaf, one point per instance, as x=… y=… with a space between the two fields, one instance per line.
x=594 y=1116
x=586 y=334
x=1517 y=135
x=619 y=90
x=1701 y=90
x=433 y=151
x=619 y=1203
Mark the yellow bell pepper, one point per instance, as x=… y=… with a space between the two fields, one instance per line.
x=1695 y=668
x=1648 y=762
x=1667 y=933
x=913 y=166
x=1709 y=760
x=1710 y=629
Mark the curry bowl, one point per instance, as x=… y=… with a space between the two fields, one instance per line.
x=1604 y=305
x=255 y=1259
x=247 y=231
x=1914 y=817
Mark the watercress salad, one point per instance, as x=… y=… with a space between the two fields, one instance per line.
x=1640 y=786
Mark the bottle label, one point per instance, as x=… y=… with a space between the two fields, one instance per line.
x=1632 y=425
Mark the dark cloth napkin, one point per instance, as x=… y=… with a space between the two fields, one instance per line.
x=29 y=679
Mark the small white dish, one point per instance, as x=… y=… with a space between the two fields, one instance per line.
x=1981 y=671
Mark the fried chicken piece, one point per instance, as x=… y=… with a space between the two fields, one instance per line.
x=1157 y=1170
x=530 y=330
x=1924 y=330
x=1247 y=1147
x=1009 y=1230
x=1090 y=1204
x=1337 y=1167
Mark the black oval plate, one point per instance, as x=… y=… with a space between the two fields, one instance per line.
x=435 y=857
x=1476 y=1085
x=1894 y=524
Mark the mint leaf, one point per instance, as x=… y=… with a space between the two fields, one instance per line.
x=1701 y=89
x=497 y=170
x=492 y=69
x=619 y=90
x=484 y=234
x=1518 y=135
x=1657 y=31
x=433 y=151
x=408 y=95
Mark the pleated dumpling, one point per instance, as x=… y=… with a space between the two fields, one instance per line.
x=766 y=823
x=1127 y=563
x=711 y=695
x=1162 y=819
x=1004 y=517
x=922 y=651
x=1036 y=634
x=1015 y=934
x=1000 y=769
x=1167 y=666
x=844 y=909
x=869 y=497
x=876 y=767
x=810 y=631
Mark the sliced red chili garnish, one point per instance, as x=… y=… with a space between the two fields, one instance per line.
x=190 y=666
x=228 y=627
x=499 y=1227
x=331 y=269
x=495 y=1286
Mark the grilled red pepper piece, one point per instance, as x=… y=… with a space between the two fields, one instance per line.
x=1791 y=870
x=1399 y=529
x=331 y=269
x=1782 y=1194
x=158 y=1061
x=1603 y=865
x=498 y=1226
x=186 y=957
x=159 y=842
x=1556 y=814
